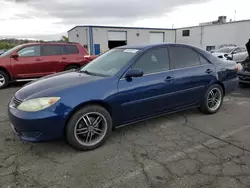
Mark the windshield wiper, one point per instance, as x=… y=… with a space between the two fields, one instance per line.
x=86 y=72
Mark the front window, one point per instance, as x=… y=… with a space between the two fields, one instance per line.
x=30 y=51
x=224 y=50
x=7 y=53
x=110 y=62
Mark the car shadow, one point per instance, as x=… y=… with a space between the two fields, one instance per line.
x=17 y=84
x=61 y=146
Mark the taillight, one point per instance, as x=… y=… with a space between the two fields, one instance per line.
x=237 y=67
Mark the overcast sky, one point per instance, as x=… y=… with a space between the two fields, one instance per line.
x=49 y=19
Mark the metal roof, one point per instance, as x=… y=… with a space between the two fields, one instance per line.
x=118 y=27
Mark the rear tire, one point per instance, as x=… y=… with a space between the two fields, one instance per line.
x=89 y=128
x=71 y=67
x=212 y=100
x=4 y=79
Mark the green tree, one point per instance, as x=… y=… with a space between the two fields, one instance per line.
x=6 y=45
x=64 y=39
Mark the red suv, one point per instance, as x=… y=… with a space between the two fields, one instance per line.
x=33 y=60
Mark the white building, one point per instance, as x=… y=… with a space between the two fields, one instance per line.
x=98 y=39
x=213 y=35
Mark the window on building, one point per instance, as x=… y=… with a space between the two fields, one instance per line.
x=48 y=50
x=186 y=33
x=156 y=60
x=182 y=57
x=31 y=51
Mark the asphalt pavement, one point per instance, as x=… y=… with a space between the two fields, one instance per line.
x=186 y=149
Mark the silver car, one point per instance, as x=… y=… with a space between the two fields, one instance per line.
x=238 y=54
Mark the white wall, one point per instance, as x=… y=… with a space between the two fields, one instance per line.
x=83 y=33
x=100 y=36
x=232 y=33
x=214 y=35
x=194 y=38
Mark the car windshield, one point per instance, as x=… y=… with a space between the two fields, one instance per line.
x=109 y=63
x=8 y=52
x=224 y=50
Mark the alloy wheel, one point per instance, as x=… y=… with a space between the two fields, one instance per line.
x=90 y=129
x=2 y=80
x=214 y=99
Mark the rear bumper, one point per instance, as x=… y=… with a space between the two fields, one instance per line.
x=231 y=85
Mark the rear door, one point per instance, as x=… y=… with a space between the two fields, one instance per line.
x=29 y=64
x=72 y=56
x=191 y=75
x=53 y=56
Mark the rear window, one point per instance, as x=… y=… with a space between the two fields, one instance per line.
x=71 y=49
x=48 y=50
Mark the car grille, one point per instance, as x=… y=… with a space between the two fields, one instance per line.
x=15 y=102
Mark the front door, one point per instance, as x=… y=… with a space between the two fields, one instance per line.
x=145 y=96
x=29 y=63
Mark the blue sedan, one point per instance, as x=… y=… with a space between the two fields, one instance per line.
x=122 y=86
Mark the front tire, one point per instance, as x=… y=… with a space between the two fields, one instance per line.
x=4 y=79
x=89 y=128
x=212 y=100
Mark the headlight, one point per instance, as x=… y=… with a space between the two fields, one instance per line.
x=34 y=105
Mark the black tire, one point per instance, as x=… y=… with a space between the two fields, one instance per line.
x=4 y=79
x=71 y=67
x=204 y=104
x=71 y=137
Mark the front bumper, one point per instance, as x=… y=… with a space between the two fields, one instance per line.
x=36 y=126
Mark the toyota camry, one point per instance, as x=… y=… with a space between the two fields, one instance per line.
x=122 y=86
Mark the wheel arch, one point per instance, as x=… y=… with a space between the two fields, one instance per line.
x=72 y=64
x=220 y=84
x=82 y=105
x=6 y=71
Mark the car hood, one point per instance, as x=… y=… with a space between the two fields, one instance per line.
x=54 y=83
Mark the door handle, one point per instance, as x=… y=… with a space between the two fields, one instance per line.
x=209 y=71
x=38 y=59
x=64 y=57
x=169 y=79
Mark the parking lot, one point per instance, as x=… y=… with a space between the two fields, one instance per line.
x=186 y=149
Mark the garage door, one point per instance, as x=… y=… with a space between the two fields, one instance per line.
x=156 y=37
x=117 y=35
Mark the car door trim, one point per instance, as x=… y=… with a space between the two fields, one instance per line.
x=161 y=96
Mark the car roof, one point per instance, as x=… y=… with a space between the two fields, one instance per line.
x=41 y=43
x=148 y=46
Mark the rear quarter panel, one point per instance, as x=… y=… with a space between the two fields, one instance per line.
x=226 y=72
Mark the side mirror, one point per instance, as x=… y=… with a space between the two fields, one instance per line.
x=134 y=73
x=14 y=55
x=230 y=57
